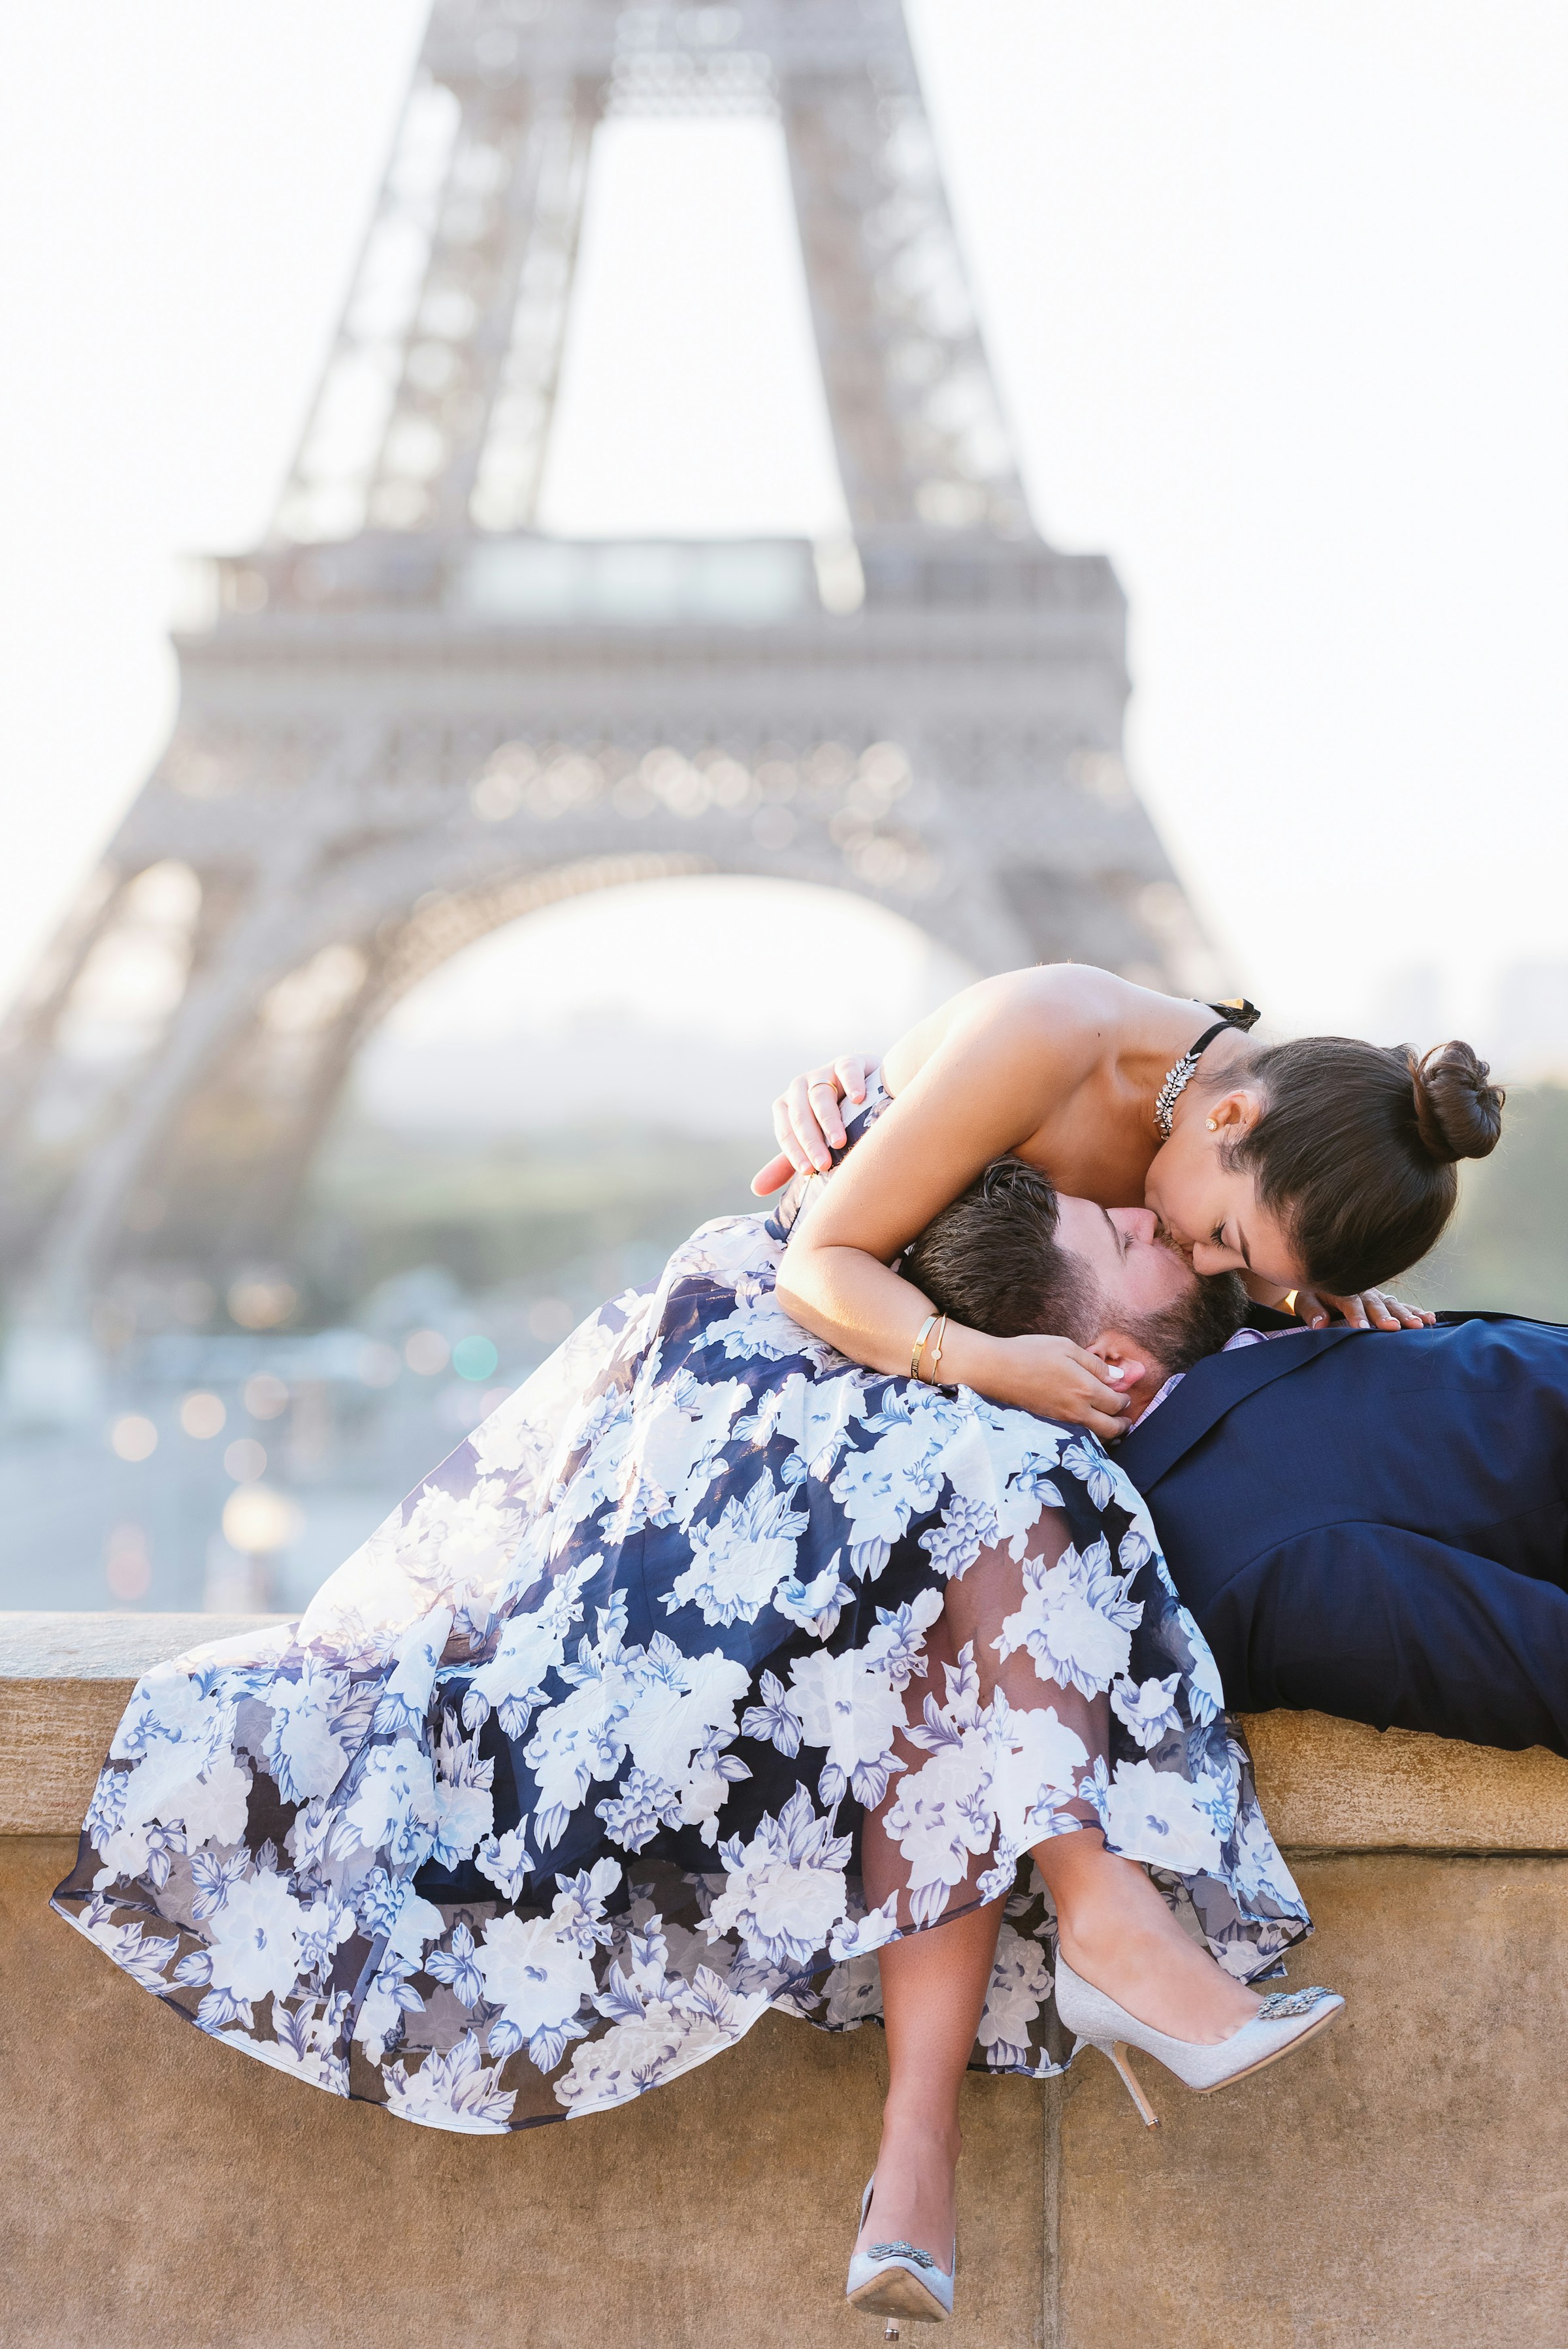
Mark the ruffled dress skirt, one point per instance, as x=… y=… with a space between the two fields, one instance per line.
x=709 y=1663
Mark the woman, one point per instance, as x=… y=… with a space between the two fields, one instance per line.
x=706 y=1676
x=1316 y=1167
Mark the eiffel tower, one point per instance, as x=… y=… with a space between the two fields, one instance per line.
x=412 y=716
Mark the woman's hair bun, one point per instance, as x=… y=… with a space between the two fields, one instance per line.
x=1459 y=1109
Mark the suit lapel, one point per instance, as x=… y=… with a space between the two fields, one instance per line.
x=1208 y=1392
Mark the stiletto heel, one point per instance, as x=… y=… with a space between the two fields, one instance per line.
x=1286 y=2020
x=1117 y=2052
x=899 y=2280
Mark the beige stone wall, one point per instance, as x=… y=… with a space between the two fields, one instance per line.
x=1404 y=2182
x=164 y=2193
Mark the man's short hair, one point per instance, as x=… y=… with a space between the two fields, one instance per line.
x=992 y=1260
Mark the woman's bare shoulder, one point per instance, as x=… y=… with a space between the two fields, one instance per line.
x=1048 y=989
x=1080 y=992
x=1066 y=1009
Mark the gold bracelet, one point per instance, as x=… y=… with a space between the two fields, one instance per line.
x=934 y=1378
x=926 y=1327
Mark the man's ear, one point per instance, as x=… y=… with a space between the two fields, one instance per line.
x=1126 y=1362
x=1139 y=1375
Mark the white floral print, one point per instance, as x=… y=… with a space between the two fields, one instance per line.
x=1148 y=1710
x=786 y=1889
x=848 y=1705
x=1156 y=1815
x=565 y=1777
x=1077 y=1620
x=1020 y=1982
x=254 y=1939
x=393 y=1805
x=738 y=1561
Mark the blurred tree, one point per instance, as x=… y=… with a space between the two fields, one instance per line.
x=1509 y=1246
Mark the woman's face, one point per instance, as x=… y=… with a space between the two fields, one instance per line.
x=1211 y=1211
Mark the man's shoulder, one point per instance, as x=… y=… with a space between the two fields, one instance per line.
x=1307 y=1371
x=1300 y=1391
x=1457 y=1329
x=1479 y=1317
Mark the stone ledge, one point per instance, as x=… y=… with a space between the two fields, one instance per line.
x=1338 y=1786
x=1326 y=1786
x=65 y=1680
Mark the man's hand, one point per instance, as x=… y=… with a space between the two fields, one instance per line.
x=1371 y=1308
x=807 y=1120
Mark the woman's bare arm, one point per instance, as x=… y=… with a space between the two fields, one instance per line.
x=1003 y=1062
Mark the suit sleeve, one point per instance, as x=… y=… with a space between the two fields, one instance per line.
x=1381 y=1625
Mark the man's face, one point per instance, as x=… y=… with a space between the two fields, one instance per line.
x=1137 y=1270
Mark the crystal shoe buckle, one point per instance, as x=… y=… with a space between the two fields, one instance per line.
x=1280 y=2004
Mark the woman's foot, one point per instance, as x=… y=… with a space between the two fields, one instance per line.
x=915 y=2196
x=1180 y=1990
x=1118 y=1933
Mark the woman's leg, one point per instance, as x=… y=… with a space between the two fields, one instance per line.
x=1115 y=1927
x=934 y=1988
x=1116 y=1930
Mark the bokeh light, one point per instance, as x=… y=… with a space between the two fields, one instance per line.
x=256 y=1520
x=246 y=1460
x=202 y=1415
x=265 y=1396
x=475 y=1357
x=127 y=1566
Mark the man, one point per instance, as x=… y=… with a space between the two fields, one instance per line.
x=1364 y=1525
x=1013 y=1255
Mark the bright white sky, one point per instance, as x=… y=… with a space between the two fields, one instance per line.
x=1275 y=295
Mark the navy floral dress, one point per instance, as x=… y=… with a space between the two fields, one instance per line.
x=710 y=1662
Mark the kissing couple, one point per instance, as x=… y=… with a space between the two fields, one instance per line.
x=798 y=1637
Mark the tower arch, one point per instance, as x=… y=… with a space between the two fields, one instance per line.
x=413 y=712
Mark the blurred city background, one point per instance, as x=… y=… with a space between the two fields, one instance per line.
x=644 y=499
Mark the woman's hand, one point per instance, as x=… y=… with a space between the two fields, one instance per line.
x=807 y=1122
x=1057 y=1380
x=1372 y=1309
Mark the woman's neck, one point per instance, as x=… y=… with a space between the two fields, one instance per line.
x=1147 y=1068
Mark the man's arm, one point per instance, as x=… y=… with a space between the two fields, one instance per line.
x=1375 y=1623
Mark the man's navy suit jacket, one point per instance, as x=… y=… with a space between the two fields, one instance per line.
x=1374 y=1523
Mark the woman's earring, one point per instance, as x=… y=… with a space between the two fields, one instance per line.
x=1213 y=1125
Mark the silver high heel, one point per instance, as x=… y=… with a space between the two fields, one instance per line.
x=1285 y=2020
x=894 y=2280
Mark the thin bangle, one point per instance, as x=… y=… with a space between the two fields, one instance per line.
x=926 y=1327
x=934 y=1377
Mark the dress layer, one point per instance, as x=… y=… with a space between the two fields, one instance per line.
x=708 y=1664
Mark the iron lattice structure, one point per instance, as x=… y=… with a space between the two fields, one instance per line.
x=413 y=717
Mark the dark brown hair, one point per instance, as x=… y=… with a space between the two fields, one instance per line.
x=1355 y=1148
x=992 y=1260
